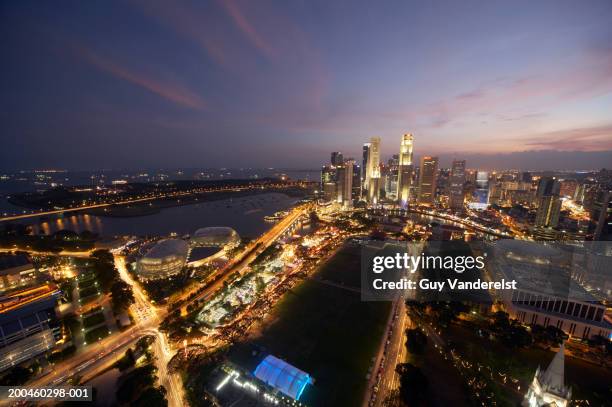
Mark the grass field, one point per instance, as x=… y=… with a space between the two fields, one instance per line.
x=93 y=320
x=88 y=292
x=96 y=334
x=326 y=331
x=588 y=381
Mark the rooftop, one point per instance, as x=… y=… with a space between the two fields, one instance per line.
x=8 y=261
x=284 y=377
x=168 y=247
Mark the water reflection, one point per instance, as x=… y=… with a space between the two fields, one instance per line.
x=245 y=214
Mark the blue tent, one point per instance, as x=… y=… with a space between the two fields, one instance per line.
x=279 y=374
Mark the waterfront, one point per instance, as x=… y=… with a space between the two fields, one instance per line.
x=244 y=214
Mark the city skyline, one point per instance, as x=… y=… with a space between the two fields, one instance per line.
x=215 y=84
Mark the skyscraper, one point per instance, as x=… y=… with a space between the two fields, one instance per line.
x=356 y=180
x=547 y=186
x=390 y=173
x=547 y=215
x=548 y=203
x=601 y=214
x=373 y=170
x=364 y=168
x=345 y=184
x=457 y=181
x=405 y=170
x=329 y=175
x=480 y=197
x=336 y=158
x=427 y=180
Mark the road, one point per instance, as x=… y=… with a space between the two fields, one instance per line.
x=392 y=350
x=145 y=314
x=97 y=356
x=181 y=194
x=79 y=208
x=249 y=254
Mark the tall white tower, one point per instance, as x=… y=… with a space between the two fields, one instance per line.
x=405 y=169
x=373 y=170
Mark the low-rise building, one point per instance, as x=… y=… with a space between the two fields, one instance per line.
x=16 y=270
x=547 y=291
x=28 y=324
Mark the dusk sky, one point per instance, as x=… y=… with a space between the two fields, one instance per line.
x=130 y=84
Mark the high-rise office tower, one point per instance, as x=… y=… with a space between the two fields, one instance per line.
x=427 y=180
x=336 y=158
x=364 y=168
x=345 y=184
x=547 y=215
x=405 y=170
x=480 y=197
x=329 y=175
x=457 y=182
x=374 y=187
x=373 y=170
x=390 y=174
x=356 y=180
x=601 y=214
x=547 y=186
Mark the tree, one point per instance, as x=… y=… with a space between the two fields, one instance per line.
x=413 y=384
x=416 y=341
x=121 y=296
x=549 y=336
x=16 y=376
x=135 y=383
x=103 y=265
x=152 y=397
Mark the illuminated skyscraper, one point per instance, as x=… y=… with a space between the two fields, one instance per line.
x=480 y=197
x=547 y=215
x=373 y=170
x=329 y=176
x=547 y=186
x=427 y=180
x=364 y=168
x=457 y=181
x=345 y=184
x=389 y=175
x=601 y=214
x=405 y=170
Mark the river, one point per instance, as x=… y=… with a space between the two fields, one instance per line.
x=244 y=214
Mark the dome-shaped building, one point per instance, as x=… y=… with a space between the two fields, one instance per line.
x=167 y=258
x=216 y=236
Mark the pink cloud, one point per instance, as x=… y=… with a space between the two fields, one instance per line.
x=247 y=28
x=173 y=92
x=598 y=138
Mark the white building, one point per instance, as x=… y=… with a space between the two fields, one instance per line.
x=548 y=386
x=405 y=170
x=547 y=294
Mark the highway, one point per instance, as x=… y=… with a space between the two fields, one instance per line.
x=79 y=208
x=249 y=254
x=147 y=314
x=98 y=356
x=235 y=188
x=392 y=350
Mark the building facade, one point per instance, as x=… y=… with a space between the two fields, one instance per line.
x=28 y=324
x=405 y=170
x=427 y=180
x=457 y=182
